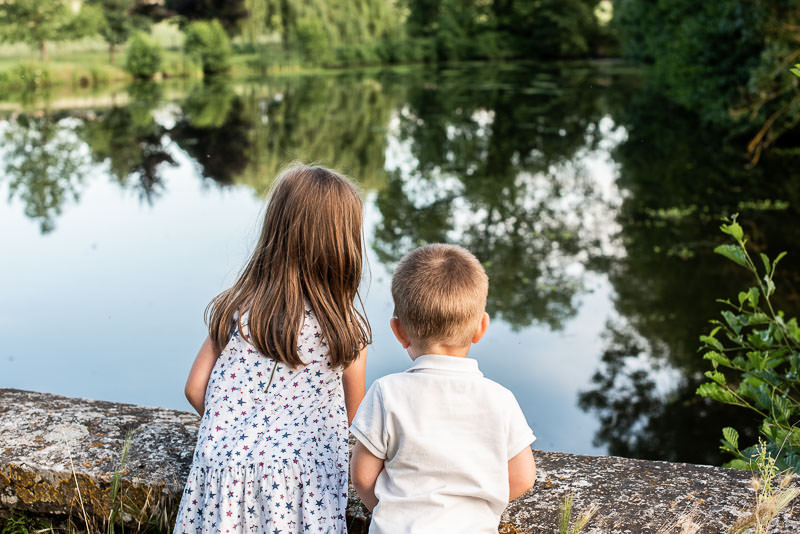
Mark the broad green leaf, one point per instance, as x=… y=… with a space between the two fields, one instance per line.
x=758 y=318
x=753 y=294
x=738 y=464
x=717 y=358
x=714 y=391
x=733 y=253
x=770 y=286
x=765 y=260
x=733 y=321
x=731 y=436
x=778 y=258
x=733 y=229
x=716 y=376
x=794 y=437
x=713 y=342
x=782 y=410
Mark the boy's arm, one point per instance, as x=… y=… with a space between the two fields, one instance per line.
x=197 y=382
x=364 y=470
x=521 y=473
x=353 y=382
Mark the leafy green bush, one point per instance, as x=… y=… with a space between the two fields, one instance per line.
x=30 y=77
x=312 y=40
x=759 y=348
x=144 y=57
x=209 y=43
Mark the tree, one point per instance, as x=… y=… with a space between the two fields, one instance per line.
x=35 y=22
x=725 y=60
x=144 y=57
x=228 y=12
x=208 y=41
x=117 y=21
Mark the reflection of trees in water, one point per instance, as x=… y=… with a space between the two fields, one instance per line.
x=492 y=158
x=337 y=121
x=638 y=419
x=44 y=163
x=215 y=131
x=131 y=141
x=679 y=181
x=497 y=168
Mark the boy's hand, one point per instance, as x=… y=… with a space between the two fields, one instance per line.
x=364 y=470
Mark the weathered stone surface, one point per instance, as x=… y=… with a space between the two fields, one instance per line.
x=48 y=442
x=638 y=496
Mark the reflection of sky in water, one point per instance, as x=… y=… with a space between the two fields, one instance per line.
x=109 y=305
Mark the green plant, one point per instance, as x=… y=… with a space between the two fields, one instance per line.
x=116 y=503
x=565 y=526
x=208 y=42
x=144 y=57
x=770 y=500
x=31 y=77
x=759 y=348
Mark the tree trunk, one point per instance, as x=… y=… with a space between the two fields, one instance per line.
x=111 y=53
x=43 y=50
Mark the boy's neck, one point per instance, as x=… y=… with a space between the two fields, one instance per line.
x=415 y=352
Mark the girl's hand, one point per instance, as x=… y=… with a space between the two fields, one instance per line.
x=353 y=379
x=198 y=377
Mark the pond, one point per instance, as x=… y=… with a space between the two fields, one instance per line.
x=592 y=202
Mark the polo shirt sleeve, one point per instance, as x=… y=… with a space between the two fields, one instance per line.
x=369 y=424
x=520 y=434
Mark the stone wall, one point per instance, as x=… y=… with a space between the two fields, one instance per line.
x=57 y=456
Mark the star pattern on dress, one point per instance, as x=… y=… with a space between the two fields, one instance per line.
x=269 y=462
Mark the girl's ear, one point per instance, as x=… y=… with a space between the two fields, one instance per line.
x=399 y=332
x=482 y=327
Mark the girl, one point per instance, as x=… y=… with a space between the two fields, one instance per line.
x=281 y=373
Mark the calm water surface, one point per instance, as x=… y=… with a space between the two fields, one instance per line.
x=592 y=203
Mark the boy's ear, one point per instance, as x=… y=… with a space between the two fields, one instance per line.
x=399 y=332
x=482 y=328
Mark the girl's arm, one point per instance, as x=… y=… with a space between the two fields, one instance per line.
x=353 y=379
x=521 y=473
x=198 y=377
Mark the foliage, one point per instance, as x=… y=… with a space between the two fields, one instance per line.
x=35 y=22
x=770 y=500
x=495 y=146
x=117 y=21
x=130 y=141
x=762 y=348
x=144 y=57
x=44 y=164
x=725 y=60
x=208 y=42
x=455 y=29
x=230 y=13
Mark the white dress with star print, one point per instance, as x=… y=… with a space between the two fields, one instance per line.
x=271 y=453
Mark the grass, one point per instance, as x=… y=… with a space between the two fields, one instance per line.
x=565 y=523
x=154 y=515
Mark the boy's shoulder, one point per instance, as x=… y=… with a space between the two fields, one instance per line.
x=401 y=380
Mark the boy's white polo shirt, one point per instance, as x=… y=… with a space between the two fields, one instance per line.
x=446 y=435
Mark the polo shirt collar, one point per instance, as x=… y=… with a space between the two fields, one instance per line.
x=447 y=364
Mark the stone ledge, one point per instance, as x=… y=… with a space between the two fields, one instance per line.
x=48 y=442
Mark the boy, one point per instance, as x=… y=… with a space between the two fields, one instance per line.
x=440 y=448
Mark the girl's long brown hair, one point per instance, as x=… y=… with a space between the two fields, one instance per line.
x=310 y=248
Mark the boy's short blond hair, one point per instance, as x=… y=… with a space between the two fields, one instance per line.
x=439 y=294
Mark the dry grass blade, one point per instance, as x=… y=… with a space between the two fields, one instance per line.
x=683 y=524
x=583 y=518
x=78 y=489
